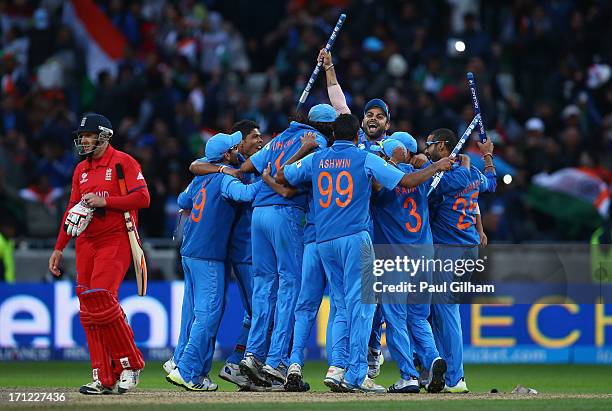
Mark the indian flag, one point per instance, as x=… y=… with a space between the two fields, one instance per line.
x=102 y=42
x=576 y=196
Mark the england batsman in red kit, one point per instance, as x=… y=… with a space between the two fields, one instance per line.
x=95 y=216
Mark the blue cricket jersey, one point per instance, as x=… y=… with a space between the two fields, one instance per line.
x=213 y=201
x=454 y=204
x=364 y=143
x=401 y=215
x=240 y=251
x=341 y=178
x=277 y=152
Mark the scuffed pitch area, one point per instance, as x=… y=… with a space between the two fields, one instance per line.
x=160 y=397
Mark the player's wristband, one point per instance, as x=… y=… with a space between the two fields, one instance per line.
x=221 y=168
x=487 y=154
x=328 y=67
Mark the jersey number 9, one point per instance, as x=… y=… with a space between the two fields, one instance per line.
x=198 y=205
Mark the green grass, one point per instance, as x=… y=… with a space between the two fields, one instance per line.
x=463 y=405
x=480 y=378
x=547 y=379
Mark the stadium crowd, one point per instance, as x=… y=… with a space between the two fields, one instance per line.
x=192 y=68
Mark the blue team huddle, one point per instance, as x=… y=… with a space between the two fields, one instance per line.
x=302 y=214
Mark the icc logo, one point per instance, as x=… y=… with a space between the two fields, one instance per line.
x=83 y=178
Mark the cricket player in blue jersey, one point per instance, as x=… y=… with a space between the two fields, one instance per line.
x=309 y=300
x=277 y=235
x=454 y=208
x=341 y=177
x=313 y=284
x=376 y=114
x=401 y=216
x=239 y=248
x=376 y=122
x=213 y=201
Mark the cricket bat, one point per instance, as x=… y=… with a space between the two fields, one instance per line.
x=138 y=256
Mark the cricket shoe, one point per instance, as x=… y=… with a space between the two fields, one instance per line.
x=368 y=386
x=128 y=380
x=252 y=368
x=169 y=365
x=276 y=374
x=375 y=360
x=403 y=386
x=205 y=384
x=96 y=388
x=231 y=372
x=460 y=388
x=436 y=372
x=295 y=383
x=333 y=379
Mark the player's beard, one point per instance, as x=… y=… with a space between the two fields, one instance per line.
x=374 y=134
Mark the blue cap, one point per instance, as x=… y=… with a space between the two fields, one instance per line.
x=407 y=140
x=376 y=102
x=387 y=146
x=220 y=143
x=322 y=113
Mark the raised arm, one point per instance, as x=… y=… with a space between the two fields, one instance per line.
x=334 y=91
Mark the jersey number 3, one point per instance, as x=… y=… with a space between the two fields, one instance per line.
x=325 y=179
x=413 y=212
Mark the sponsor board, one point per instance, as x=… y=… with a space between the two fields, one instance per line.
x=40 y=322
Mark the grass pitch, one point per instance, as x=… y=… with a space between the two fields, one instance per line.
x=561 y=387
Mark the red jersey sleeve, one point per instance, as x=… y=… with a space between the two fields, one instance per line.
x=138 y=193
x=75 y=196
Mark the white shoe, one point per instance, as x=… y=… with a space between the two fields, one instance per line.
x=128 y=380
x=231 y=373
x=252 y=368
x=276 y=374
x=96 y=388
x=295 y=383
x=205 y=383
x=334 y=378
x=375 y=360
x=460 y=388
x=368 y=385
x=403 y=386
x=169 y=365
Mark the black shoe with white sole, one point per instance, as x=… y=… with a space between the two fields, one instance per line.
x=436 y=373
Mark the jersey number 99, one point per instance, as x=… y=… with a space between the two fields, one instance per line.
x=343 y=185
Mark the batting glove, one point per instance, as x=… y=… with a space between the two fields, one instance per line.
x=78 y=219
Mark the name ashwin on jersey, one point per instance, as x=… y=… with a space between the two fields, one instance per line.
x=335 y=163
